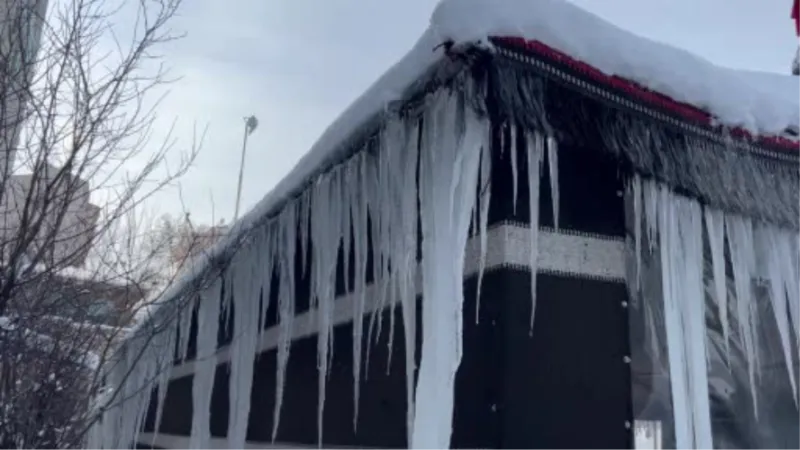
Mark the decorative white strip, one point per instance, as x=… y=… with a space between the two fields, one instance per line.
x=571 y=254
x=178 y=441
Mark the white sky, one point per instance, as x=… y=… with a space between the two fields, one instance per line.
x=297 y=64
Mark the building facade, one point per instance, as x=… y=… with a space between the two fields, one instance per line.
x=21 y=25
x=521 y=251
x=54 y=211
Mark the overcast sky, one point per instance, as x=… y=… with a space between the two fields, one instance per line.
x=296 y=64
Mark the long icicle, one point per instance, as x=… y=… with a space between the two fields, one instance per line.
x=514 y=167
x=768 y=242
x=552 y=164
x=287 y=226
x=165 y=370
x=741 y=245
x=450 y=157
x=535 y=150
x=690 y=223
x=485 y=197
x=246 y=321
x=359 y=206
x=635 y=192
x=715 y=229
x=406 y=268
x=326 y=236
x=208 y=317
x=669 y=249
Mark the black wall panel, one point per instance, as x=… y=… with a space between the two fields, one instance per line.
x=382 y=415
x=567 y=385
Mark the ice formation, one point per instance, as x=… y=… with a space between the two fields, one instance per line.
x=514 y=167
x=484 y=199
x=326 y=220
x=287 y=232
x=359 y=211
x=679 y=227
x=743 y=261
x=755 y=251
x=208 y=318
x=715 y=230
x=450 y=157
x=534 y=145
x=552 y=167
x=246 y=278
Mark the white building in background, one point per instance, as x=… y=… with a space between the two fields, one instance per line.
x=21 y=24
x=68 y=218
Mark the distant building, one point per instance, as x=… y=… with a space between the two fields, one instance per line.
x=21 y=23
x=192 y=242
x=67 y=217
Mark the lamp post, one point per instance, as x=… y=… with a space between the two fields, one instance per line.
x=250 y=124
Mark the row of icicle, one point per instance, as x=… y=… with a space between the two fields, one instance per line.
x=453 y=154
x=674 y=225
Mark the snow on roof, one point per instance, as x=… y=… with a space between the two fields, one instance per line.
x=765 y=104
x=762 y=103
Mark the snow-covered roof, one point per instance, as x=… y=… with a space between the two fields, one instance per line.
x=759 y=102
x=762 y=103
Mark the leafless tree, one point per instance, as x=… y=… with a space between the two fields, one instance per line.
x=77 y=161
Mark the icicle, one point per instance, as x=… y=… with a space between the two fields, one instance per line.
x=552 y=163
x=326 y=221
x=164 y=371
x=740 y=243
x=678 y=223
x=305 y=215
x=692 y=305
x=246 y=327
x=768 y=244
x=406 y=267
x=393 y=142
x=205 y=364
x=375 y=201
x=358 y=205
x=514 y=168
x=450 y=158
x=185 y=326
x=535 y=149
x=715 y=228
x=483 y=220
x=267 y=251
x=668 y=241
x=635 y=192
x=287 y=229
x=391 y=174
x=346 y=225
x=650 y=195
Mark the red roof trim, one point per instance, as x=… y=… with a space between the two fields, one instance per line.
x=685 y=110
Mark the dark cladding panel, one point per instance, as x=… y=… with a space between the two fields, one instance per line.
x=590 y=188
x=382 y=414
x=568 y=385
x=177 y=414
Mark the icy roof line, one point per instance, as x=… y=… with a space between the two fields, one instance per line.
x=762 y=103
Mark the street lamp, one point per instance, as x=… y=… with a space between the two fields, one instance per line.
x=250 y=124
